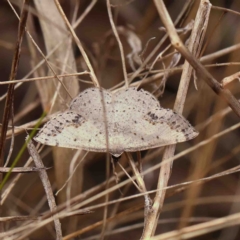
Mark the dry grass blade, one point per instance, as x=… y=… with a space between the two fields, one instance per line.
x=142 y=187
x=119 y=43
x=9 y=101
x=8 y=108
x=24 y=127
x=44 y=78
x=116 y=217
x=76 y=39
x=200 y=229
x=52 y=92
x=21 y=169
x=19 y=218
x=194 y=45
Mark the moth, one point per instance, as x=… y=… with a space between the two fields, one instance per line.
x=125 y=121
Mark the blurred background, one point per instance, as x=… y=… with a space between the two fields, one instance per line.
x=140 y=30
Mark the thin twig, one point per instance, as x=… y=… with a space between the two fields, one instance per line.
x=199 y=68
x=45 y=78
x=105 y=117
x=97 y=224
x=220 y=53
x=8 y=109
x=154 y=51
x=82 y=203
x=229 y=79
x=138 y=175
x=172 y=206
x=142 y=186
x=119 y=43
x=79 y=44
x=46 y=218
x=44 y=57
x=21 y=169
x=46 y=184
x=22 y=128
x=201 y=228
x=49 y=65
x=19 y=218
x=105 y=210
x=56 y=47
x=13 y=182
x=129 y=177
x=123 y=230
x=12 y=139
x=225 y=10
x=72 y=170
x=10 y=93
x=199 y=28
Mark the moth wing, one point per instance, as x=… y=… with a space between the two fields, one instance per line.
x=72 y=130
x=157 y=128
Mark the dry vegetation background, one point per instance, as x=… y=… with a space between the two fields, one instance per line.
x=204 y=183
